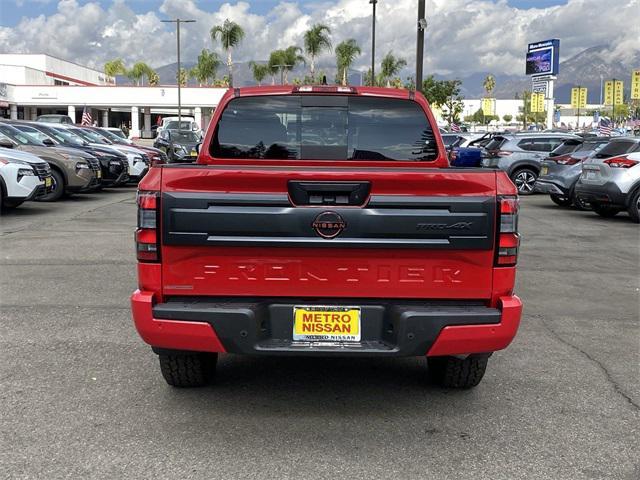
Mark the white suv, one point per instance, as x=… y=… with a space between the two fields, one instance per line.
x=19 y=182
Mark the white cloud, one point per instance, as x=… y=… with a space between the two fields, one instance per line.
x=464 y=36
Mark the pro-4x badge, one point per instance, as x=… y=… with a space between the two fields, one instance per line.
x=329 y=224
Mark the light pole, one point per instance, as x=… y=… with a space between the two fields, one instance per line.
x=373 y=43
x=422 y=26
x=178 y=21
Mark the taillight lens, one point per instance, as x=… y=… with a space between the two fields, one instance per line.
x=620 y=162
x=565 y=160
x=508 y=238
x=147 y=236
x=503 y=153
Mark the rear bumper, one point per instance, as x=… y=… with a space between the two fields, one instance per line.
x=542 y=186
x=264 y=327
x=606 y=194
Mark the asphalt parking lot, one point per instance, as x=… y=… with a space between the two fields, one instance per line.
x=82 y=397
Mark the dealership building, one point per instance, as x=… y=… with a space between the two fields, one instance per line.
x=35 y=84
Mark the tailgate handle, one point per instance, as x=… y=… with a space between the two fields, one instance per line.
x=329 y=193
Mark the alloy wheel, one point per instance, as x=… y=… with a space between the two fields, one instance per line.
x=524 y=181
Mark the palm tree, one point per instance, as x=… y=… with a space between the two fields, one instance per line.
x=231 y=34
x=182 y=77
x=259 y=70
x=316 y=39
x=292 y=58
x=154 y=79
x=115 y=67
x=489 y=84
x=276 y=58
x=391 y=65
x=205 y=70
x=139 y=71
x=346 y=53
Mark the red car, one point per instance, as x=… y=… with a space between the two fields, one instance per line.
x=325 y=221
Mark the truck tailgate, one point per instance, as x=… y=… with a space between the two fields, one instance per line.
x=419 y=233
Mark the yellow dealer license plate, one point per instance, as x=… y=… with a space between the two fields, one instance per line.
x=323 y=323
x=99 y=174
x=544 y=170
x=47 y=182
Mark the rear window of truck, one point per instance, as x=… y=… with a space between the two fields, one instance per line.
x=315 y=127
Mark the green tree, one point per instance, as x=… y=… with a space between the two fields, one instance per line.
x=231 y=34
x=276 y=59
x=489 y=84
x=283 y=61
x=259 y=71
x=438 y=92
x=507 y=118
x=139 y=71
x=316 y=40
x=346 y=53
x=115 y=67
x=206 y=68
x=391 y=65
x=154 y=79
x=182 y=77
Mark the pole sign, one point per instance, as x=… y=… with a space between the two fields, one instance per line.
x=537 y=102
x=543 y=58
x=613 y=92
x=635 y=85
x=488 y=106
x=579 y=97
x=539 y=86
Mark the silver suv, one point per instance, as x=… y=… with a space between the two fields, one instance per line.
x=520 y=155
x=562 y=168
x=610 y=181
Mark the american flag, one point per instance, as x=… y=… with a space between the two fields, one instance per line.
x=86 y=117
x=455 y=128
x=605 y=128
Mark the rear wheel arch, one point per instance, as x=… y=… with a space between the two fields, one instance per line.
x=632 y=191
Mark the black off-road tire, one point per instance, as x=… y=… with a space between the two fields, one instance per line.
x=560 y=200
x=186 y=370
x=452 y=372
x=605 y=210
x=58 y=191
x=634 y=207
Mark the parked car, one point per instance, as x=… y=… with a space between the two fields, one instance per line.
x=112 y=165
x=561 y=170
x=155 y=155
x=66 y=119
x=22 y=177
x=180 y=146
x=137 y=159
x=171 y=123
x=521 y=155
x=345 y=234
x=70 y=170
x=118 y=132
x=611 y=184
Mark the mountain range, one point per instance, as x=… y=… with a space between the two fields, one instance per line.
x=587 y=69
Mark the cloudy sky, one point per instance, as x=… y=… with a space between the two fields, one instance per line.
x=463 y=36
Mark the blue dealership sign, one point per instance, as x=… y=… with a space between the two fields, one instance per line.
x=543 y=58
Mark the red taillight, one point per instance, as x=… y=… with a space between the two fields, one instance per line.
x=565 y=160
x=147 y=237
x=507 y=238
x=503 y=153
x=620 y=162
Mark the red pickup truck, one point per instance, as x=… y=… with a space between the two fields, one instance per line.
x=322 y=220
